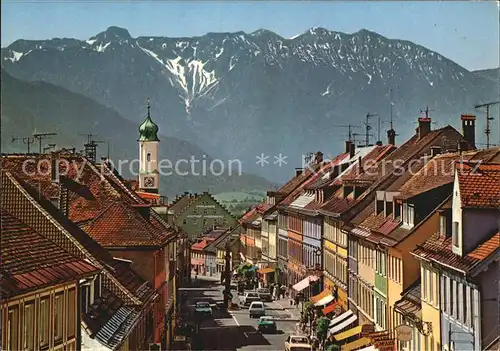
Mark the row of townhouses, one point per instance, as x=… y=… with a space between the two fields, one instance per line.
x=87 y=262
x=400 y=240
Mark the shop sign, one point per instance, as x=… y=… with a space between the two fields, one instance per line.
x=404 y=333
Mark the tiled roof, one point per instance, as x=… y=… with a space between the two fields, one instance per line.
x=200 y=245
x=293 y=183
x=324 y=174
x=367 y=162
x=438 y=250
x=93 y=189
x=437 y=172
x=263 y=207
x=180 y=203
x=31 y=261
x=447 y=138
x=479 y=185
x=411 y=302
x=122 y=225
x=114 y=332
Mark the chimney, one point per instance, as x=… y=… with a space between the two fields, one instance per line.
x=424 y=126
x=143 y=209
x=469 y=129
x=391 y=137
x=64 y=196
x=378 y=143
x=352 y=149
x=298 y=171
x=435 y=150
x=463 y=146
x=54 y=168
x=348 y=146
x=318 y=157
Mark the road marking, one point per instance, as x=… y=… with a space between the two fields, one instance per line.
x=235 y=320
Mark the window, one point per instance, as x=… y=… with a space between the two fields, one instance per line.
x=12 y=328
x=445 y=294
x=44 y=322
x=431 y=287
x=411 y=214
x=442 y=226
x=452 y=297
x=424 y=285
x=454 y=234
x=397 y=211
x=184 y=221
x=195 y=221
x=58 y=317
x=148 y=157
x=29 y=326
x=85 y=298
x=72 y=310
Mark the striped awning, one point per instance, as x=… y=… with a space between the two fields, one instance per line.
x=340 y=318
x=338 y=327
x=348 y=333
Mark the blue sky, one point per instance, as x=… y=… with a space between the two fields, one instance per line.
x=466 y=32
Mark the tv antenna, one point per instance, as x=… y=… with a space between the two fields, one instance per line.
x=26 y=140
x=91 y=146
x=354 y=135
x=349 y=126
x=40 y=137
x=368 y=127
x=426 y=111
x=487 y=131
x=49 y=147
x=392 y=104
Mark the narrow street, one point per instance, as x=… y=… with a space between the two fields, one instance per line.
x=235 y=330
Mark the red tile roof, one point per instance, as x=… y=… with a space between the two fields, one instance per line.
x=92 y=188
x=438 y=250
x=296 y=181
x=122 y=225
x=200 y=245
x=31 y=261
x=479 y=185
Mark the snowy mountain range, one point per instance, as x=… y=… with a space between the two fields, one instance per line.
x=237 y=95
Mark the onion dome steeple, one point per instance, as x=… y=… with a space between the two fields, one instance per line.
x=148 y=130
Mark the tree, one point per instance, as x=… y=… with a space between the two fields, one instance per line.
x=322 y=329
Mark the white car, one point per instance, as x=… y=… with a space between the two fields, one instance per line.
x=257 y=309
x=249 y=297
x=297 y=343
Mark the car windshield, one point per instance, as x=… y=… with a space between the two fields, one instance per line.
x=266 y=319
x=253 y=295
x=202 y=304
x=299 y=340
x=257 y=305
x=264 y=291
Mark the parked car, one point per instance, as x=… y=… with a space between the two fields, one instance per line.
x=267 y=325
x=257 y=308
x=297 y=343
x=203 y=308
x=249 y=297
x=265 y=294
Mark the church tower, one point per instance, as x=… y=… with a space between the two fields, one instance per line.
x=148 y=155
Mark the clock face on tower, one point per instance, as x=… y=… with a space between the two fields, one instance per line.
x=149 y=181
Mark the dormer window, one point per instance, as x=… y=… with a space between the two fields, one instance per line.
x=379 y=206
x=347 y=191
x=388 y=208
x=397 y=211
x=454 y=235
x=408 y=214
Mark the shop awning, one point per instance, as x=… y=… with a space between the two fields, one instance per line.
x=343 y=324
x=324 y=300
x=320 y=296
x=265 y=270
x=304 y=283
x=356 y=344
x=329 y=308
x=348 y=333
x=340 y=318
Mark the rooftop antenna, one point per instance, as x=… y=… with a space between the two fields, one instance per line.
x=40 y=137
x=426 y=111
x=487 y=131
x=350 y=126
x=368 y=127
x=91 y=147
x=392 y=104
x=49 y=147
x=26 y=140
x=354 y=135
